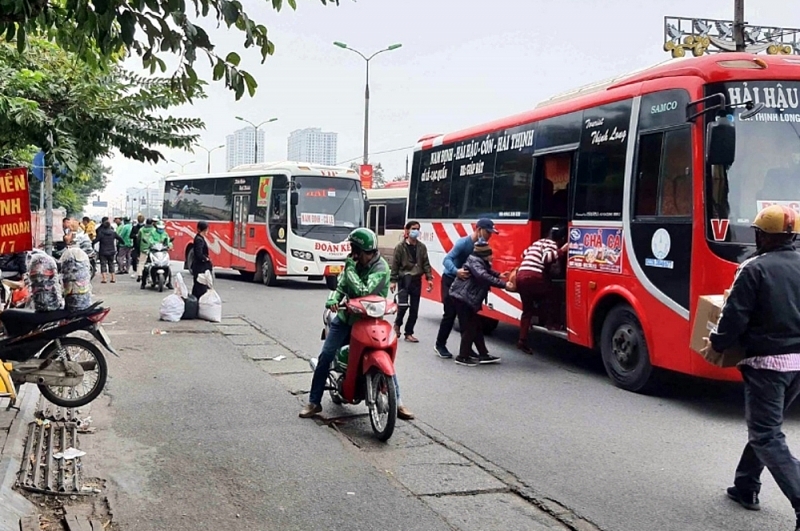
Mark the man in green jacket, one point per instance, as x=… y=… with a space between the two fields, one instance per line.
x=365 y=273
x=144 y=240
x=124 y=252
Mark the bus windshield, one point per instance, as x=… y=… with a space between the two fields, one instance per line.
x=767 y=164
x=327 y=207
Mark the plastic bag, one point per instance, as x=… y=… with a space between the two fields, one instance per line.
x=206 y=278
x=172 y=308
x=77 y=277
x=191 y=308
x=210 y=307
x=180 y=286
x=46 y=289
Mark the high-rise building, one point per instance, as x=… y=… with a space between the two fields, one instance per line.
x=312 y=145
x=240 y=147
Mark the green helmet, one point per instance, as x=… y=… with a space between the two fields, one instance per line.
x=363 y=239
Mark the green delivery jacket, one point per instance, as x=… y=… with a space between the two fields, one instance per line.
x=360 y=281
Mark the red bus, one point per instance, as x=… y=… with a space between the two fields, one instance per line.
x=274 y=220
x=652 y=223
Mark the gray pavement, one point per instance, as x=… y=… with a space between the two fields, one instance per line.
x=554 y=422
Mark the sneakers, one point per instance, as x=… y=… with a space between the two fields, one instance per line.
x=442 y=352
x=748 y=500
x=467 y=362
x=310 y=410
x=486 y=359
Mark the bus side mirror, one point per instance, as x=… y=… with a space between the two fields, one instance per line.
x=721 y=142
x=295 y=198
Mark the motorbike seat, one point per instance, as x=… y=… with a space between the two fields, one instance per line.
x=15 y=316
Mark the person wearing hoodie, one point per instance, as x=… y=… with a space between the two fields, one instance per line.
x=468 y=295
x=107 y=237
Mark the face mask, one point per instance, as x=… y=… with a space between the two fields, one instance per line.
x=160 y=231
x=414 y=233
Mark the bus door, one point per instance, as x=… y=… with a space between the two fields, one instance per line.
x=241 y=211
x=553 y=174
x=377 y=219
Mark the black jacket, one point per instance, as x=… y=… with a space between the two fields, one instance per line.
x=762 y=312
x=475 y=289
x=108 y=238
x=201 y=260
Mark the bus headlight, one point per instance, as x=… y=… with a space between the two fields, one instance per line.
x=303 y=255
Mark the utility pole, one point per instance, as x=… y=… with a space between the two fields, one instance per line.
x=738 y=25
x=48 y=213
x=406 y=167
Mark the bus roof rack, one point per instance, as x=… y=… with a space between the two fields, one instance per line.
x=600 y=85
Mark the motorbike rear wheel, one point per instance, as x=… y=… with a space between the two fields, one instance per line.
x=72 y=348
x=383 y=413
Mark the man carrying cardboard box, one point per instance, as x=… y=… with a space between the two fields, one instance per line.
x=762 y=314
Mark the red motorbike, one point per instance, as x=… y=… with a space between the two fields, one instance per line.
x=364 y=369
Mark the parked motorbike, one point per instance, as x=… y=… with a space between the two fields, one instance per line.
x=364 y=369
x=156 y=268
x=36 y=348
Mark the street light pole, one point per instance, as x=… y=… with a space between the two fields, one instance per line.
x=147 y=195
x=738 y=25
x=209 y=151
x=181 y=165
x=255 y=133
x=366 y=89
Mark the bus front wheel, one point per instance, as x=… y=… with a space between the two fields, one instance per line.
x=624 y=350
x=331 y=282
x=266 y=270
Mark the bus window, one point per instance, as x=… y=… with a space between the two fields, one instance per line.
x=512 y=184
x=432 y=194
x=555 y=171
x=395 y=214
x=473 y=180
x=277 y=211
x=664 y=181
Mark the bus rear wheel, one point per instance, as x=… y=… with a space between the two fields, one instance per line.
x=187 y=265
x=266 y=270
x=624 y=350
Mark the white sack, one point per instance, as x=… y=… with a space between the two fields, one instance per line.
x=210 y=307
x=172 y=308
x=180 y=286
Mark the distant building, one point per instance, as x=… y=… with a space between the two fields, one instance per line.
x=240 y=147
x=145 y=201
x=312 y=145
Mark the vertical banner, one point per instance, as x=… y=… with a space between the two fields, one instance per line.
x=366 y=176
x=15 y=212
x=263 y=192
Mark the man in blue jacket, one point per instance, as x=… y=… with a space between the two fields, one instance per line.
x=454 y=267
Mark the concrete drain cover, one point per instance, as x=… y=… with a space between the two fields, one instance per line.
x=48 y=465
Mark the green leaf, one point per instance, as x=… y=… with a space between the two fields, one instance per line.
x=20 y=39
x=219 y=70
x=250 y=82
x=127 y=24
x=233 y=58
x=293 y=4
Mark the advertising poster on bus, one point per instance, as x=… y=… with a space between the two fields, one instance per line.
x=263 y=191
x=596 y=249
x=15 y=212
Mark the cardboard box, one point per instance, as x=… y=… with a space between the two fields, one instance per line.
x=706 y=318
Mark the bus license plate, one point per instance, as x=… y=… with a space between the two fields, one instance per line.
x=334 y=270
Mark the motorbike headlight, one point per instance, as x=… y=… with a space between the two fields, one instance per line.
x=375 y=309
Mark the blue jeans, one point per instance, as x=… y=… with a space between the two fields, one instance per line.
x=338 y=336
x=768 y=394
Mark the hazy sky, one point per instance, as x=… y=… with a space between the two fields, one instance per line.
x=463 y=62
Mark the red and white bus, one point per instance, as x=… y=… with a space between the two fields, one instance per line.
x=272 y=220
x=652 y=224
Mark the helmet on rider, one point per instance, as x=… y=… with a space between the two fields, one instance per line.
x=362 y=241
x=775 y=225
x=160 y=226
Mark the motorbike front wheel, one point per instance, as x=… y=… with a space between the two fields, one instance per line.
x=84 y=352
x=161 y=282
x=383 y=411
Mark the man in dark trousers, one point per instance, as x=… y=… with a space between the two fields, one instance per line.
x=137 y=226
x=762 y=315
x=409 y=264
x=454 y=267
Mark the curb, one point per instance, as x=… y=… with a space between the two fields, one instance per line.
x=13 y=505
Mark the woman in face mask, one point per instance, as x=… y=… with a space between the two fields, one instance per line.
x=409 y=263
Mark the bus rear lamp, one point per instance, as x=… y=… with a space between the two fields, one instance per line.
x=754 y=64
x=303 y=255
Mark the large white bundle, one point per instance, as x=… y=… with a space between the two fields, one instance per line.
x=172 y=308
x=210 y=307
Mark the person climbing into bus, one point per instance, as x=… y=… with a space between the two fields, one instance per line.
x=534 y=281
x=409 y=264
x=468 y=294
x=454 y=268
x=365 y=273
x=761 y=315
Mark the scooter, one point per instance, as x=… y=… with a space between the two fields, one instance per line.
x=156 y=268
x=36 y=348
x=364 y=369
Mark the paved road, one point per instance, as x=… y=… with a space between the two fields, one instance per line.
x=626 y=462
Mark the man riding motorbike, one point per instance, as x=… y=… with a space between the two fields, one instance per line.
x=365 y=273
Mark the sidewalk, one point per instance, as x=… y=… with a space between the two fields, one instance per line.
x=13 y=430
